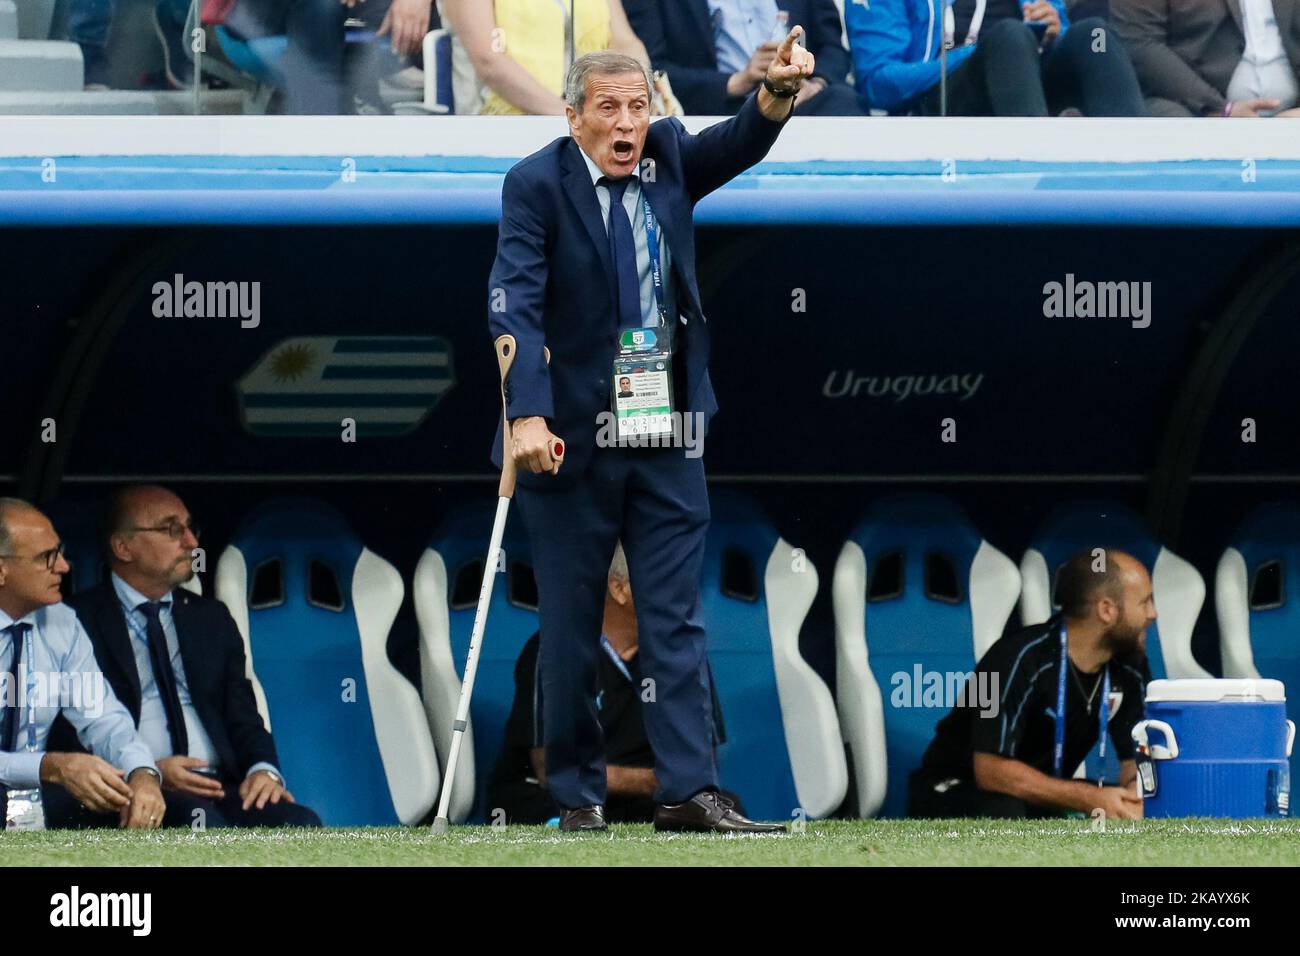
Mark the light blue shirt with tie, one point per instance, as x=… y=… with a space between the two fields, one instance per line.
x=739 y=28
x=153 y=715
x=63 y=661
x=632 y=207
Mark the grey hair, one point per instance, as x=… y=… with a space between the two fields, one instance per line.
x=600 y=63
x=7 y=505
x=618 y=566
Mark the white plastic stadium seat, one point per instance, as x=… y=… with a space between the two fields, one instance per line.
x=438 y=680
x=315 y=608
x=783 y=754
x=883 y=628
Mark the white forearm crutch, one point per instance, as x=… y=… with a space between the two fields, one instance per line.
x=505 y=349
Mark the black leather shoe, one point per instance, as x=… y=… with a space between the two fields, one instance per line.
x=708 y=812
x=583 y=819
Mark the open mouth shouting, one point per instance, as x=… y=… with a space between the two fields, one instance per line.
x=624 y=151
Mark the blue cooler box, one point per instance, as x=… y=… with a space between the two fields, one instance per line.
x=1215 y=748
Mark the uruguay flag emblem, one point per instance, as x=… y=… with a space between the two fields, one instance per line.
x=307 y=386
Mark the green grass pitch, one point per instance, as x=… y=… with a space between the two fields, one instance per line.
x=1065 y=842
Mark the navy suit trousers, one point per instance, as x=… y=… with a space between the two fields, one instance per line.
x=655 y=501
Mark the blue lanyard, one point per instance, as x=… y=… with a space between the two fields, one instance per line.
x=1058 y=756
x=29 y=679
x=613 y=656
x=129 y=614
x=143 y=634
x=652 y=241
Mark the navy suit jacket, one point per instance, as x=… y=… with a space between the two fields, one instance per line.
x=212 y=653
x=553 y=284
x=678 y=35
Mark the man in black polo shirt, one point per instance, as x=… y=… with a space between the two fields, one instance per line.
x=1017 y=759
x=518 y=783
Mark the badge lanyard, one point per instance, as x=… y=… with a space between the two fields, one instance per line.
x=613 y=656
x=143 y=635
x=645 y=357
x=135 y=628
x=1058 y=756
x=652 y=242
x=29 y=681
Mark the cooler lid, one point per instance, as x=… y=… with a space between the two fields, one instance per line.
x=1203 y=689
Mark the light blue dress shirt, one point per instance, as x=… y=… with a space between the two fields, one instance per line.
x=739 y=28
x=63 y=659
x=153 y=715
x=632 y=205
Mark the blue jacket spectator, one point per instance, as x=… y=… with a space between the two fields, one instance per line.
x=1009 y=70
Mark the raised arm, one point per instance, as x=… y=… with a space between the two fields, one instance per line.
x=718 y=154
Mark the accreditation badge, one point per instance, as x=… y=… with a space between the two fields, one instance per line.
x=1146 y=776
x=25 y=810
x=642 y=388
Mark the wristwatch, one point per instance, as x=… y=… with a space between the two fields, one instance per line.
x=273 y=774
x=156 y=774
x=778 y=93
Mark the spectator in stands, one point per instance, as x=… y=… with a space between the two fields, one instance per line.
x=1001 y=65
x=87 y=26
x=518 y=784
x=1001 y=761
x=1213 y=57
x=177 y=661
x=716 y=52
x=313 y=63
x=90 y=20
x=516 y=50
x=43 y=643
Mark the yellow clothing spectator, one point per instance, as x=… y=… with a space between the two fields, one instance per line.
x=517 y=49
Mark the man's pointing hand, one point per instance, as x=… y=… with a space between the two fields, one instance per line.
x=792 y=63
x=785 y=74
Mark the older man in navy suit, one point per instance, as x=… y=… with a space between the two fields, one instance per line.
x=176 y=660
x=596 y=262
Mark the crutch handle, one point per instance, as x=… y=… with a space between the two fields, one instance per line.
x=505 y=348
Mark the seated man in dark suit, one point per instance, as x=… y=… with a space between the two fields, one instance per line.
x=1225 y=58
x=176 y=660
x=518 y=784
x=716 y=52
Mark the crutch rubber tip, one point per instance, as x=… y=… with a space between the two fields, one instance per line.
x=440 y=825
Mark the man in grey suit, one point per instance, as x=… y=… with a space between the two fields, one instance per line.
x=1229 y=58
